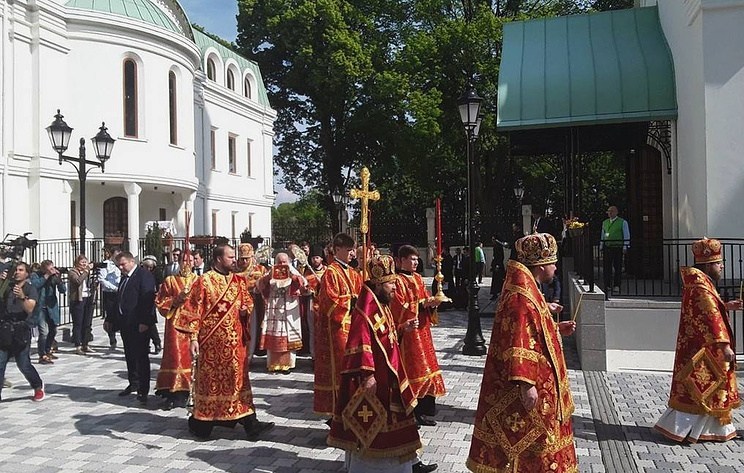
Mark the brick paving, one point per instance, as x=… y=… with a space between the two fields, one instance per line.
x=83 y=425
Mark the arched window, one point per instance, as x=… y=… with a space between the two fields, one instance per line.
x=173 y=107
x=130 y=98
x=247 y=88
x=230 y=80
x=211 y=69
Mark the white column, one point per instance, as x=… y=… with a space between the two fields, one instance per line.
x=133 y=218
x=188 y=203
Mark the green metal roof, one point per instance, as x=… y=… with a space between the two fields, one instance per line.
x=204 y=42
x=607 y=67
x=142 y=10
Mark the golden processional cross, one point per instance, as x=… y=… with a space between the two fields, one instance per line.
x=364 y=195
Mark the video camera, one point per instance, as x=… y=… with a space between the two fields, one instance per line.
x=13 y=246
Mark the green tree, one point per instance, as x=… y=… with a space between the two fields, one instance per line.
x=376 y=83
x=305 y=219
x=154 y=242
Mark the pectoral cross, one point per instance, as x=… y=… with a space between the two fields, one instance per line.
x=379 y=323
x=364 y=195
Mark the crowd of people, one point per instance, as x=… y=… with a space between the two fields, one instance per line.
x=369 y=332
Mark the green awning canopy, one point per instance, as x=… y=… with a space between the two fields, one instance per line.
x=599 y=68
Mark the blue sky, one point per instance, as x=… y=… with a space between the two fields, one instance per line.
x=218 y=17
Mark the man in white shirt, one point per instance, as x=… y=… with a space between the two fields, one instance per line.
x=109 y=277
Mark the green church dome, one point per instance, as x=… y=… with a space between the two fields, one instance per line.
x=142 y=10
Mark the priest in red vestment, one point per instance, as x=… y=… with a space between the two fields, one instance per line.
x=215 y=316
x=704 y=390
x=174 y=375
x=248 y=267
x=338 y=293
x=314 y=275
x=412 y=301
x=523 y=420
x=374 y=421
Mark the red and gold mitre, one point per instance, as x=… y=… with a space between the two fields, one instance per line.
x=245 y=250
x=381 y=269
x=537 y=249
x=707 y=250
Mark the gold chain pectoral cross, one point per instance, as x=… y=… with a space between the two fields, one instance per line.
x=364 y=195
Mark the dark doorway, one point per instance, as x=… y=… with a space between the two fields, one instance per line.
x=645 y=213
x=115 y=212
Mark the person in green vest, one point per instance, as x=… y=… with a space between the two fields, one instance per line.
x=614 y=243
x=480 y=262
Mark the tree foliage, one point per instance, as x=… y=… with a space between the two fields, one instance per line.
x=302 y=220
x=376 y=83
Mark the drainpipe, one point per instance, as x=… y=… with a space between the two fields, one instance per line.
x=675 y=182
x=6 y=108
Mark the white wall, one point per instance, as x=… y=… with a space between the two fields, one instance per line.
x=707 y=44
x=685 y=42
x=723 y=57
x=229 y=114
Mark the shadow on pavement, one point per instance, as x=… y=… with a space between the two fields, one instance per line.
x=127 y=425
x=141 y=422
x=93 y=395
x=283 y=381
x=599 y=431
x=274 y=460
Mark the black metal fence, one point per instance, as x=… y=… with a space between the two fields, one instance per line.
x=651 y=268
x=63 y=253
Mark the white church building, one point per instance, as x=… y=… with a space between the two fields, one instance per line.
x=191 y=120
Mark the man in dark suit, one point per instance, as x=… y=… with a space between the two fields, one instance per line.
x=448 y=268
x=457 y=267
x=541 y=223
x=137 y=314
x=174 y=267
x=200 y=266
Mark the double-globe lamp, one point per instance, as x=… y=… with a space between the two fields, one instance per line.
x=59 y=134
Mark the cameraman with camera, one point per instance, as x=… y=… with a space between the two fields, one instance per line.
x=48 y=282
x=15 y=332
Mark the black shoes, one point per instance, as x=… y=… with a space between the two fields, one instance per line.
x=254 y=428
x=142 y=398
x=127 y=391
x=157 y=349
x=421 y=468
x=200 y=428
x=423 y=420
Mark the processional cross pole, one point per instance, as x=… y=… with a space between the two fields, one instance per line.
x=364 y=195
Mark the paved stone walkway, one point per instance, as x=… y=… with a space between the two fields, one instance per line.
x=84 y=426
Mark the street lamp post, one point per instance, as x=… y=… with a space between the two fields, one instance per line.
x=519 y=192
x=59 y=134
x=469 y=106
x=341 y=199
